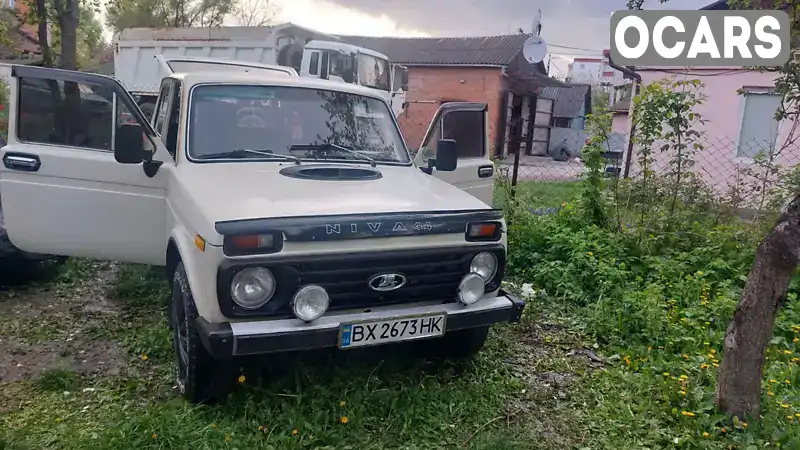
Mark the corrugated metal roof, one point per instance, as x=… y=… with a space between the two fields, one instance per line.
x=623 y=105
x=486 y=50
x=568 y=101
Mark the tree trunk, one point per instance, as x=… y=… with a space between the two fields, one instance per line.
x=67 y=11
x=44 y=38
x=747 y=337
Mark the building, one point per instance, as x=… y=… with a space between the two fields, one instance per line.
x=738 y=120
x=488 y=69
x=594 y=71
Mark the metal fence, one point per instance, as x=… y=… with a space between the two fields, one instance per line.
x=747 y=173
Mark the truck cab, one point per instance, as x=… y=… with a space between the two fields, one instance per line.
x=329 y=60
x=287 y=212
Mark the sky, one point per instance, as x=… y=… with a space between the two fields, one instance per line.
x=580 y=24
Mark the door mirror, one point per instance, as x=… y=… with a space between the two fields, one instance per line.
x=129 y=144
x=446 y=155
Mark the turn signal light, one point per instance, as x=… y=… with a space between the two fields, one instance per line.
x=252 y=244
x=484 y=231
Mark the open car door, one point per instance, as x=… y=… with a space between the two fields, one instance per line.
x=189 y=64
x=467 y=124
x=62 y=191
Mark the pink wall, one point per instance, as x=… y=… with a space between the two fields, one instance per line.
x=722 y=111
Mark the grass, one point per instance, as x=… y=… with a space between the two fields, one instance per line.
x=323 y=399
x=541 y=194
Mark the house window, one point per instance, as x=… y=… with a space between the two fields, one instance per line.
x=759 y=129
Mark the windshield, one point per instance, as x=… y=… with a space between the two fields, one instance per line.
x=373 y=72
x=290 y=121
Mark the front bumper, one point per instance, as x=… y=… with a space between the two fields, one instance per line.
x=224 y=340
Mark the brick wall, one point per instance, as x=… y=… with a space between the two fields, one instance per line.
x=470 y=84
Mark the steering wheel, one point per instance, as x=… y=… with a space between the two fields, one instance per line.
x=251 y=121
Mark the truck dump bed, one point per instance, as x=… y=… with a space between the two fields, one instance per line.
x=139 y=72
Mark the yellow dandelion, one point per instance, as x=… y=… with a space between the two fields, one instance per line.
x=687 y=413
x=772 y=381
x=704 y=366
x=770 y=393
x=705 y=434
x=685 y=356
x=699 y=273
x=154 y=436
x=684 y=377
x=788 y=382
x=145 y=357
x=213 y=425
x=261 y=428
x=796 y=340
x=706 y=344
x=787 y=352
x=716 y=365
x=713 y=351
x=666 y=374
x=341 y=403
x=564 y=204
x=294 y=432
x=242 y=378
x=344 y=419
x=590 y=253
x=798 y=415
x=682 y=392
x=791 y=418
x=724 y=430
x=744 y=424
x=227 y=437
x=784 y=406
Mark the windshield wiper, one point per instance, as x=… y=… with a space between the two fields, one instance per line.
x=244 y=152
x=330 y=145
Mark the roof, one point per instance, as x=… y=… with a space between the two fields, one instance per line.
x=568 y=101
x=622 y=106
x=261 y=78
x=472 y=51
x=719 y=5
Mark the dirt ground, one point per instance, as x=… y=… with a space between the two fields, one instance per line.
x=46 y=326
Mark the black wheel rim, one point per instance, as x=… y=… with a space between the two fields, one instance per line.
x=181 y=339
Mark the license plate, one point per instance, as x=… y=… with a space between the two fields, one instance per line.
x=376 y=332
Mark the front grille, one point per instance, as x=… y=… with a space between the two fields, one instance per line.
x=431 y=274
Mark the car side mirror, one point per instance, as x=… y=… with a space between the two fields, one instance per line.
x=446 y=155
x=129 y=144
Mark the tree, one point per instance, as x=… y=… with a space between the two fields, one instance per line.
x=254 y=13
x=121 y=14
x=777 y=257
x=78 y=14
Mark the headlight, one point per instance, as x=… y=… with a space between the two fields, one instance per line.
x=471 y=289
x=252 y=288
x=485 y=265
x=310 y=302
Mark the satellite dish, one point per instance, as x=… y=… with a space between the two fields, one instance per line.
x=534 y=50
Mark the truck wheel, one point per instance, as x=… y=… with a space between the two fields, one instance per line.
x=464 y=344
x=201 y=379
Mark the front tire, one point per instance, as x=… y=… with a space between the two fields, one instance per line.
x=201 y=379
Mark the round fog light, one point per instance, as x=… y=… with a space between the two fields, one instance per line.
x=485 y=265
x=471 y=289
x=310 y=302
x=252 y=288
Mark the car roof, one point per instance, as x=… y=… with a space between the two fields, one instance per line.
x=191 y=79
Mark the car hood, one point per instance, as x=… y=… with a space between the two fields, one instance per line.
x=235 y=191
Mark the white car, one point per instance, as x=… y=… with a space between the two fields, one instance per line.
x=288 y=212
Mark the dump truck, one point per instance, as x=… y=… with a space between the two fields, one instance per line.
x=309 y=53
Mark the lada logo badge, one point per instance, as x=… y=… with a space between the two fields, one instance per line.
x=385 y=282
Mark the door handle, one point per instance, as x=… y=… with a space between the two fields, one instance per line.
x=25 y=162
x=485 y=171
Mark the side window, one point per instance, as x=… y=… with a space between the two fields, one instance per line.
x=161 y=109
x=467 y=129
x=313 y=66
x=65 y=113
x=171 y=138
